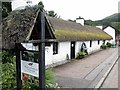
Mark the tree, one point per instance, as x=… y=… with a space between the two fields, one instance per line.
x=52 y=13
x=6 y=8
x=49 y=13
x=40 y=4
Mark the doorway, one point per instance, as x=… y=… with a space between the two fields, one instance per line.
x=72 y=50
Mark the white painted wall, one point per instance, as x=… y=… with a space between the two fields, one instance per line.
x=111 y=31
x=81 y=21
x=95 y=46
x=77 y=47
x=64 y=48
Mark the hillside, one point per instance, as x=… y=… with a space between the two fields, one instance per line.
x=113 y=20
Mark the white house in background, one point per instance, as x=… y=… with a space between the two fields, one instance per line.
x=66 y=38
x=112 y=32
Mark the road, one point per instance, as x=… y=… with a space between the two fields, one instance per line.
x=112 y=79
x=85 y=73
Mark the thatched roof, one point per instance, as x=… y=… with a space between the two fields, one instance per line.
x=72 y=31
x=20 y=24
x=17 y=26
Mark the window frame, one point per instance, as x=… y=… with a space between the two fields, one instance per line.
x=55 y=48
x=90 y=43
x=98 y=42
x=103 y=41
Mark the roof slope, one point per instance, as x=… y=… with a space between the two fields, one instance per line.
x=71 y=31
x=18 y=26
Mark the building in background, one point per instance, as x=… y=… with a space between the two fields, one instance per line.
x=113 y=32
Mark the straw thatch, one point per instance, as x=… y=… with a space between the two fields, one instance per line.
x=72 y=31
x=19 y=26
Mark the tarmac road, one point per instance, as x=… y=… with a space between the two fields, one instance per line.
x=112 y=79
x=85 y=73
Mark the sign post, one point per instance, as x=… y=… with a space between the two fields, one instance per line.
x=31 y=68
x=18 y=67
x=42 y=52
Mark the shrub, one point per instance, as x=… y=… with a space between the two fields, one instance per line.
x=103 y=46
x=50 y=79
x=9 y=76
x=81 y=55
x=109 y=44
x=7 y=56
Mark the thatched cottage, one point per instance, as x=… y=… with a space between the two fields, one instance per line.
x=66 y=37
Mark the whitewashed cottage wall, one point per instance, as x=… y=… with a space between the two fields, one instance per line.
x=111 y=31
x=64 y=50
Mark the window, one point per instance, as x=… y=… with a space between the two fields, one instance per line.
x=98 y=42
x=90 y=43
x=103 y=41
x=55 y=48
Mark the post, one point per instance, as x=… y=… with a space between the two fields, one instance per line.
x=18 y=67
x=42 y=52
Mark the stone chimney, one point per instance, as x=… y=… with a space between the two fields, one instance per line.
x=80 y=20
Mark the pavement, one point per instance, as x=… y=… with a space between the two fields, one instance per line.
x=86 y=72
x=112 y=79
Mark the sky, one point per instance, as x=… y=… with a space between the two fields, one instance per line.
x=72 y=9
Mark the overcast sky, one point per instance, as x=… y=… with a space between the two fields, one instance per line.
x=71 y=9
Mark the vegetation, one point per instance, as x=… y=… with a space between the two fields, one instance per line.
x=112 y=20
x=116 y=25
x=9 y=75
x=108 y=44
x=41 y=5
x=49 y=13
x=103 y=46
x=81 y=55
x=52 y=14
x=6 y=9
x=7 y=57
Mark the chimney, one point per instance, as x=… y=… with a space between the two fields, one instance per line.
x=80 y=20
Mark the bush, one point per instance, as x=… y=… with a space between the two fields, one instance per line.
x=9 y=76
x=109 y=44
x=34 y=85
x=103 y=46
x=81 y=55
x=50 y=79
x=7 y=56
